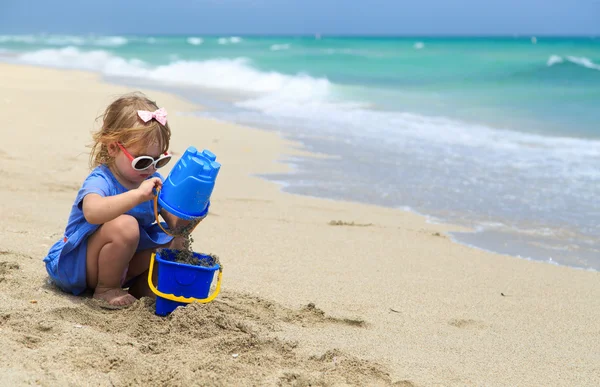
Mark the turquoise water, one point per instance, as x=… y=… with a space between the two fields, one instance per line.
x=499 y=134
x=476 y=79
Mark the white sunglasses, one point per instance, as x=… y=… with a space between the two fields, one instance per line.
x=142 y=163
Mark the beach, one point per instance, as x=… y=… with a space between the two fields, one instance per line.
x=315 y=291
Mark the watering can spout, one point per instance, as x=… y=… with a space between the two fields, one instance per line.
x=186 y=191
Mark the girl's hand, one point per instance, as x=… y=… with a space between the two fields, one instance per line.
x=146 y=189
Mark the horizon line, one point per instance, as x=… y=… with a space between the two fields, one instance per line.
x=319 y=34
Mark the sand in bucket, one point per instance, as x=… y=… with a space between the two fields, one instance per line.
x=186 y=255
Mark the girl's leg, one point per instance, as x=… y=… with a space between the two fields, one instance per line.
x=138 y=271
x=139 y=266
x=109 y=252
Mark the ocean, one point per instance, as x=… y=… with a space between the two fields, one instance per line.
x=498 y=134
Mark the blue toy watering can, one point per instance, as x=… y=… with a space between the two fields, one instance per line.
x=186 y=191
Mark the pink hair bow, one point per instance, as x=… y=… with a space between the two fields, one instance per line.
x=159 y=115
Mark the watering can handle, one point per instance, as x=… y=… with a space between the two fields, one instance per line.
x=186 y=300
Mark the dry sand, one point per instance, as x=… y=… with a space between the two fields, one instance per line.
x=316 y=292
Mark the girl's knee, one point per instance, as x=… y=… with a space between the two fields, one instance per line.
x=125 y=228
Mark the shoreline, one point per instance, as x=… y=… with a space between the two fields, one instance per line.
x=432 y=311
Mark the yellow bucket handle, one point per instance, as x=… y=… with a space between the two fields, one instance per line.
x=186 y=300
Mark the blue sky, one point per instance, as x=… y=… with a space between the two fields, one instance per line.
x=387 y=17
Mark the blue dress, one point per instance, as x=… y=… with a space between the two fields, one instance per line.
x=66 y=260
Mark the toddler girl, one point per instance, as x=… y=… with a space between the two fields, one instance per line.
x=111 y=231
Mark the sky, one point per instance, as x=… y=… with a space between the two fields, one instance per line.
x=334 y=17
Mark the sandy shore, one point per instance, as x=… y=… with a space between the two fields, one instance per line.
x=388 y=299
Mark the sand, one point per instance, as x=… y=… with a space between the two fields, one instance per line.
x=315 y=292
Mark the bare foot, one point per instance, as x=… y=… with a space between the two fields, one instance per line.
x=114 y=296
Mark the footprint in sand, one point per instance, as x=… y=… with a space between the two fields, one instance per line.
x=466 y=323
x=311 y=315
x=15 y=254
x=30 y=341
x=405 y=383
x=6 y=267
x=432 y=233
x=351 y=224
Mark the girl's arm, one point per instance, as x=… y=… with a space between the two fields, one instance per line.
x=99 y=209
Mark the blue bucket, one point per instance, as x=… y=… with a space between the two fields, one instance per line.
x=186 y=192
x=179 y=283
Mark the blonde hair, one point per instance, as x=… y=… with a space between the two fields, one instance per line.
x=120 y=123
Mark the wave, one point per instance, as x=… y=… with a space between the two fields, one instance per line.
x=279 y=47
x=554 y=59
x=363 y=53
x=355 y=116
x=64 y=40
x=578 y=60
x=230 y=40
x=227 y=74
x=583 y=61
x=531 y=155
x=195 y=41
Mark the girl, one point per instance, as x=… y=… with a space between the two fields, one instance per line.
x=111 y=231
